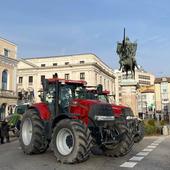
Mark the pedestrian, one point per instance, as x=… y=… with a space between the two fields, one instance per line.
x=4 y=131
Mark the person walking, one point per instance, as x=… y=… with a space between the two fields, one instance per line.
x=4 y=131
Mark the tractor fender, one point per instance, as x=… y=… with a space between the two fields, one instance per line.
x=59 y=118
x=42 y=109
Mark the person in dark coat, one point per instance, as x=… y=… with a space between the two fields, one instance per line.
x=4 y=131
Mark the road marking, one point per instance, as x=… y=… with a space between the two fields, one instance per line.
x=147 y=150
x=151 y=146
x=139 y=156
x=142 y=153
x=154 y=144
x=136 y=158
x=128 y=164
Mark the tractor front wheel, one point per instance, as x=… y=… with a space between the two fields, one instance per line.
x=141 y=132
x=32 y=138
x=71 y=141
x=123 y=147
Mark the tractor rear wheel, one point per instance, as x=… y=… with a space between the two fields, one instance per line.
x=123 y=147
x=32 y=137
x=141 y=132
x=71 y=141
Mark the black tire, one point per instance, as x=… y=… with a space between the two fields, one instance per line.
x=141 y=132
x=124 y=146
x=38 y=143
x=80 y=143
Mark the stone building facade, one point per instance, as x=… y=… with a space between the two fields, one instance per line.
x=146 y=101
x=162 y=94
x=86 y=67
x=8 y=72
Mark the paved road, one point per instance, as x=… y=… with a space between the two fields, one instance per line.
x=153 y=153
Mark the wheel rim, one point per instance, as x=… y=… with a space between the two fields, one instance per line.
x=65 y=141
x=27 y=131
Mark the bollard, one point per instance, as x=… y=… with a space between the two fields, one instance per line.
x=165 y=130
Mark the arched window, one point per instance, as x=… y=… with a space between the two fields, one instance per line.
x=4 y=79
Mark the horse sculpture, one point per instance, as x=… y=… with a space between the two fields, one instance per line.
x=128 y=64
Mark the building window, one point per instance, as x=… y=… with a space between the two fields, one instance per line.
x=30 y=80
x=6 y=52
x=82 y=76
x=105 y=83
x=54 y=64
x=4 y=79
x=95 y=78
x=108 y=87
x=42 y=77
x=100 y=79
x=144 y=77
x=144 y=82
x=42 y=65
x=66 y=63
x=67 y=76
x=82 y=62
x=119 y=77
x=20 y=80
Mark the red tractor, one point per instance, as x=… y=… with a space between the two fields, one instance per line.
x=134 y=123
x=72 y=124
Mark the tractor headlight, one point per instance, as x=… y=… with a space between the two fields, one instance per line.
x=130 y=118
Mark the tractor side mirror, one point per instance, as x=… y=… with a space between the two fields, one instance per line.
x=99 y=89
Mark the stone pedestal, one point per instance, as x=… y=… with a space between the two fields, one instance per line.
x=129 y=94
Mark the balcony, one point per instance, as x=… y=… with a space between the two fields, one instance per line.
x=8 y=94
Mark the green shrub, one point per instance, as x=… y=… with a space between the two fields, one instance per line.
x=151 y=122
x=150 y=130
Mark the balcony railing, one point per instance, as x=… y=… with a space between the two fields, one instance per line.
x=8 y=93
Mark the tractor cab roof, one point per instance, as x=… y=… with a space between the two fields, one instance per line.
x=93 y=89
x=63 y=81
x=105 y=92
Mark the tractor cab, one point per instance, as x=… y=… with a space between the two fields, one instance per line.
x=59 y=93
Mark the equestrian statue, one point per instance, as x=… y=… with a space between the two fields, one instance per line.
x=127 y=51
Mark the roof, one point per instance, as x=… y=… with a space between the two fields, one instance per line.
x=57 y=56
x=70 y=55
x=162 y=79
x=52 y=80
x=147 y=89
x=10 y=42
x=27 y=62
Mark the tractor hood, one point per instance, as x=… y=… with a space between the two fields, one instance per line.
x=89 y=109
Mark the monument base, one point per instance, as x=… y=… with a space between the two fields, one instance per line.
x=129 y=94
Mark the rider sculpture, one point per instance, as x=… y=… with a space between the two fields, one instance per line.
x=127 y=51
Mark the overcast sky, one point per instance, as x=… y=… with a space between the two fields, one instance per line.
x=62 y=27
